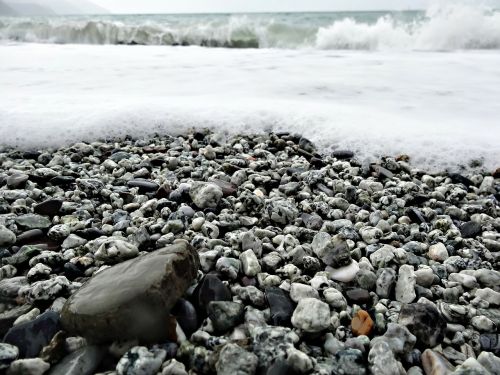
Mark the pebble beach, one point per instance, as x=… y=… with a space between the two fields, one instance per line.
x=209 y=253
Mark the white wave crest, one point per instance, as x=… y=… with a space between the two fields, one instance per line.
x=443 y=28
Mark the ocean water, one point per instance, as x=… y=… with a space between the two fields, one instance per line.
x=425 y=84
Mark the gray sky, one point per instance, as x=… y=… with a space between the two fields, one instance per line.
x=229 y=6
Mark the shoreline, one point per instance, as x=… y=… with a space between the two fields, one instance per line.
x=308 y=263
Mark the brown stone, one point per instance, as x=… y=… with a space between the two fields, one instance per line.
x=362 y=323
x=435 y=364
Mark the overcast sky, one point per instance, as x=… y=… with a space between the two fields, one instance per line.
x=230 y=6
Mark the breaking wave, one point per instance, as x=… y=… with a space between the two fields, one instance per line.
x=440 y=28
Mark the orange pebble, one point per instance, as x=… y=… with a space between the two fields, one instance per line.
x=362 y=323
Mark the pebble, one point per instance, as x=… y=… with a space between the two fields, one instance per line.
x=33 y=221
x=344 y=274
x=281 y=306
x=235 y=360
x=205 y=195
x=225 y=314
x=7 y=237
x=32 y=366
x=250 y=263
x=311 y=315
x=362 y=323
x=141 y=361
x=405 y=286
x=8 y=353
x=434 y=363
x=438 y=252
x=424 y=321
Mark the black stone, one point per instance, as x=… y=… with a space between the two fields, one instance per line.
x=227 y=188
x=210 y=289
x=470 y=229
x=306 y=145
x=343 y=154
x=281 y=306
x=31 y=337
x=459 y=179
x=186 y=316
x=424 y=321
x=145 y=186
x=90 y=233
x=490 y=342
x=415 y=215
x=29 y=237
x=50 y=207
x=72 y=271
x=62 y=180
x=358 y=295
x=8 y=317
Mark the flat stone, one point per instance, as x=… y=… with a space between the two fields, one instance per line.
x=145 y=186
x=49 y=207
x=424 y=321
x=106 y=308
x=82 y=361
x=435 y=364
x=17 y=180
x=470 y=229
x=33 y=221
x=362 y=323
x=31 y=337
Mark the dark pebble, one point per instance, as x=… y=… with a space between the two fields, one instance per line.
x=210 y=289
x=490 y=342
x=50 y=207
x=90 y=233
x=186 y=316
x=31 y=337
x=470 y=229
x=424 y=321
x=62 y=180
x=145 y=186
x=358 y=295
x=29 y=237
x=17 y=180
x=415 y=215
x=281 y=306
x=343 y=154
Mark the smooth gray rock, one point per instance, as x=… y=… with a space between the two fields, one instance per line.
x=311 y=315
x=205 y=195
x=7 y=237
x=130 y=300
x=33 y=221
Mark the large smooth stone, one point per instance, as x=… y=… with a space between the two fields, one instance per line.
x=131 y=300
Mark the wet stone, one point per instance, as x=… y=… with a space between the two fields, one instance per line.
x=359 y=296
x=435 y=363
x=210 y=289
x=186 y=316
x=32 y=336
x=32 y=366
x=145 y=186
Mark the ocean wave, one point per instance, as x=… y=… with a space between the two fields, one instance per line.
x=440 y=28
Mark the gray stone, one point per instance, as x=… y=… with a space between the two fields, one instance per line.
x=8 y=353
x=7 y=237
x=300 y=291
x=33 y=221
x=281 y=211
x=205 y=195
x=490 y=362
x=141 y=361
x=405 y=286
x=382 y=360
x=311 y=315
x=106 y=308
x=333 y=251
x=32 y=366
x=438 y=252
x=424 y=321
x=382 y=257
x=435 y=363
x=225 y=314
x=234 y=360
x=250 y=263
x=114 y=250
x=399 y=338
x=344 y=274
